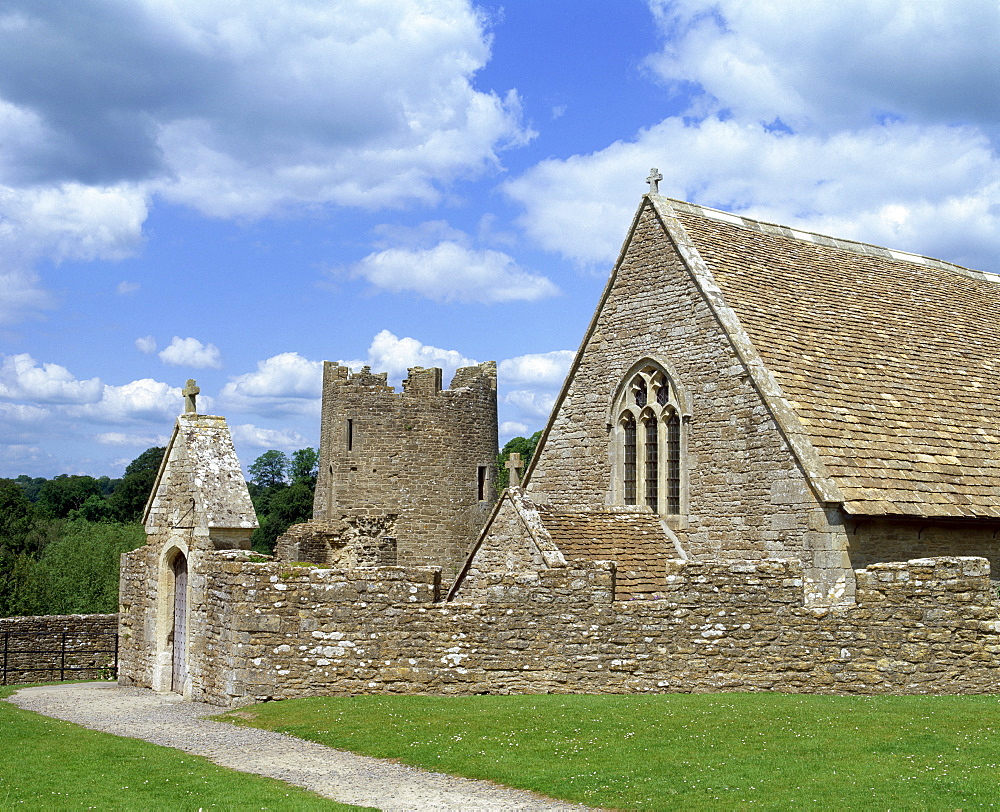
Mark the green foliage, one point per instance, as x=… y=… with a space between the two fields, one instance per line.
x=17 y=516
x=129 y=499
x=30 y=486
x=278 y=504
x=525 y=446
x=49 y=764
x=65 y=493
x=680 y=751
x=286 y=506
x=78 y=573
x=269 y=470
x=304 y=466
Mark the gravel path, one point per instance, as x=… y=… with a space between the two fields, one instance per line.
x=165 y=719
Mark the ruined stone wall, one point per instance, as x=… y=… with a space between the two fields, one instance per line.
x=927 y=626
x=49 y=648
x=746 y=494
x=412 y=456
x=876 y=540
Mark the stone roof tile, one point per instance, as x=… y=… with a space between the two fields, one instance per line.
x=890 y=360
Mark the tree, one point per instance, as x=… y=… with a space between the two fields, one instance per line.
x=286 y=507
x=130 y=497
x=304 y=466
x=17 y=515
x=269 y=469
x=57 y=497
x=525 y=446
x=78 y=573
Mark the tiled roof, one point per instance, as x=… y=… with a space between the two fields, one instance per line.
x=631 y=537
x=891 y=361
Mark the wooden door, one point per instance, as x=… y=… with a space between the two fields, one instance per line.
x=179 y=636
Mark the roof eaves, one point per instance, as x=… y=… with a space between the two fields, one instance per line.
x=819 y=478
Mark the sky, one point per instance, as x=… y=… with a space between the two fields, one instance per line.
x=237 y=191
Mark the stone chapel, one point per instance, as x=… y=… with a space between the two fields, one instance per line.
x=767 y=392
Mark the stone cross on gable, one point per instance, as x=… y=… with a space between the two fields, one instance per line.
x=513 y=465
x=190 y=393
x=654 y=181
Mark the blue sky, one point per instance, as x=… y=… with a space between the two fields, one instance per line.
x=235 y=192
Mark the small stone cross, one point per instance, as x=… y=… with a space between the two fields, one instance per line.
x=190 y=393
x=654 y=181
x=513 y=465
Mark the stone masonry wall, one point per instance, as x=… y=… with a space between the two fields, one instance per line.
x=747 y=496
x=53 y=647
x=926 y=626
x=873 y=541
x=413 y=454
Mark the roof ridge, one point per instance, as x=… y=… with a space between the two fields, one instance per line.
x=855 y=246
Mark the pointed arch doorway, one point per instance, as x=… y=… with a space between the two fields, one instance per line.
x=178 y=633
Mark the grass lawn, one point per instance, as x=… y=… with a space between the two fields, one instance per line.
x=49 y=764
x=680 y=751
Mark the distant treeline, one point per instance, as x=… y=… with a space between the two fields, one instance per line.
x=61 y=539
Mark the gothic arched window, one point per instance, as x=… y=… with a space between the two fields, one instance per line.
x=648 y=442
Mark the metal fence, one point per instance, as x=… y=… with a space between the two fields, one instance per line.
x=59 y=656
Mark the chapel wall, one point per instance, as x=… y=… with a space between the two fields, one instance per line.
x=747 y=495
x=508 y=548
x=413 y=454
x=876 y=540
x=925 y=626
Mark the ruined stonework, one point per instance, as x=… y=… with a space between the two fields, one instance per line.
x=277 y=631
x=341 y=543
x=424 y=455
x=199 y=506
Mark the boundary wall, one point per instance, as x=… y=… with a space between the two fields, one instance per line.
x=927 y=626
x=46 y=648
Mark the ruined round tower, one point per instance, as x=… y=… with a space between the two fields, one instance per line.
x=415 y=467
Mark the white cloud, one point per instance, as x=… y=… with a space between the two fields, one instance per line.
x=238 y=111
x=70 y=221
x=511 y=428
x=282 y=384
x=450 y=272
x=279 y=439
x=534 y=404
x=146 y=344
x=883 y=147
x=143 y=400
x=931 y=190
x=540 y=368
x=241 y=109
x=761 y=59
x=389 y=353
x=23 y=378
x=125 y=287
x=117 y=438
x=21 y=294
x=190 y=352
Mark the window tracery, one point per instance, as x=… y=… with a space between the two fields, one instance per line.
x=648 y=443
